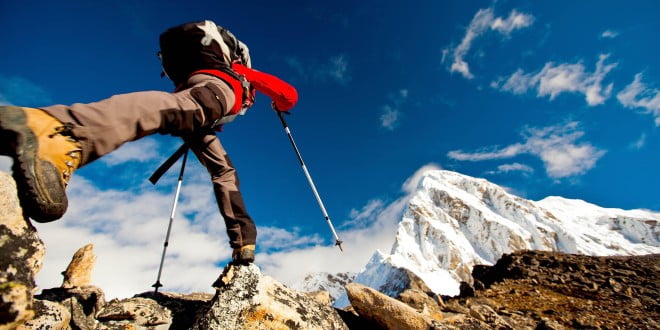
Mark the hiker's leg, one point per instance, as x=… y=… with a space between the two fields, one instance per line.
x=240 y=227
x=105 y=125
x=95 y=129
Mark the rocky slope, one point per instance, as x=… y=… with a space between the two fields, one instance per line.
x=554 y=290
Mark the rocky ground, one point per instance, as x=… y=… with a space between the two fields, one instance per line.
x=552 y=290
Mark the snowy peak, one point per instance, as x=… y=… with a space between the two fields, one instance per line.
x=454 y=222
x=638 y=227
x=333 y=283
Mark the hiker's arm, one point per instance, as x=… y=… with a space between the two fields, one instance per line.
x=284 y=96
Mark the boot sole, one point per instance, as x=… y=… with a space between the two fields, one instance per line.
x=40 y=188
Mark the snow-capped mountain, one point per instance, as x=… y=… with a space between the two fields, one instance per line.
x=333 y=283
x=454 y=222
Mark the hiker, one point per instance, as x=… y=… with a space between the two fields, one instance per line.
x=215 y=82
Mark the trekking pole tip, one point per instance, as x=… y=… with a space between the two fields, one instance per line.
x=338 y=243
x=156 y=286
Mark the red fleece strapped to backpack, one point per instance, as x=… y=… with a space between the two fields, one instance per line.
x=284 y=96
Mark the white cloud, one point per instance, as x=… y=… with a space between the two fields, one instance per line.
x=366 y=215
x=5 y=164
x=279 y=238
x=638 y=95
x=128 y=231
x=556 y=146
x=20 y=91
x=640 y=143
x=515 y=21
x=143 y=150
x=391 y=115
x=489 y=153
x=514 y=167
x=483 y=21
x=338 y=69
x=609 y=34
x=553 y=80
x=411 y=184
x=335 y=68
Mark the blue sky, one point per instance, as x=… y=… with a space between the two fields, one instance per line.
x=543 y=98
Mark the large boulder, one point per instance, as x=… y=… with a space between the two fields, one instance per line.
x=385 y=312
x=247 y=300
x=21 y=256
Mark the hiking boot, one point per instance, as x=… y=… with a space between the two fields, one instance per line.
x=243 y=255
x=45 y=155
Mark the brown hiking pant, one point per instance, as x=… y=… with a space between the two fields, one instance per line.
x=103 y=126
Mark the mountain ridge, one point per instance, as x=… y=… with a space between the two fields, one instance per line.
x=454 y=222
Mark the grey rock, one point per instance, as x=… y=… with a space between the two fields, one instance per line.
x=49 y=315
x=83 y=303
x=321 y=296
x=487 y=315
x=184 y=307
x=135 y=311
x=247 y=300
x=21 y=256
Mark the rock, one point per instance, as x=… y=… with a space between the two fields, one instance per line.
x=83 y=303
x=184 y=307
x=384 y=311
x=547 y=324
x=321 y=296
x=247 y=300
x=139 y=312
x=401 y=279
x=422 y=303
x=466 y=290
x=487 y=315
x=461 y=321
x=79 y=272
x=49 y=315
x=21 y=257
x=15 y=304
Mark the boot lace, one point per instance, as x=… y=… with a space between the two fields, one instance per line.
x=74 y=154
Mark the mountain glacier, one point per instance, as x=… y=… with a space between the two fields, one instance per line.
x=453 y=222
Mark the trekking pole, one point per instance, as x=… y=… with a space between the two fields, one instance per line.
x=169 y=226
x=309 y=179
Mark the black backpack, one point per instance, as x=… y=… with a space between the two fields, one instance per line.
x=202 y=45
